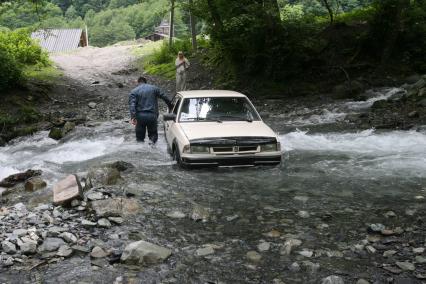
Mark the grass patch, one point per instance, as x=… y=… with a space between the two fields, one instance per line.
x=48 y=74
x=166 y=70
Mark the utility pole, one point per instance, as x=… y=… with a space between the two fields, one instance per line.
x=192 y=24
x=172 y=23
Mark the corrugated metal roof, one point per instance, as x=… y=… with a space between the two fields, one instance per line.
x=57 y=40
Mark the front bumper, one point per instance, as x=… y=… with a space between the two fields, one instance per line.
x=272 y=158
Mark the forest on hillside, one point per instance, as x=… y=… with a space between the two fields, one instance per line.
x=276 y=40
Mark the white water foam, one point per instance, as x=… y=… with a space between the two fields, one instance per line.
x=397 y=152
x=378 y=96
x=325 y=117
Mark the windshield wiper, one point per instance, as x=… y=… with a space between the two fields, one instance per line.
x=238 y=118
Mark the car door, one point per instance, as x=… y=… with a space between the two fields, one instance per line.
x=170 y=125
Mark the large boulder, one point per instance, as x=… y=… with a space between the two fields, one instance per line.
x=34 y=184
x=144 y=253
x=116 y=207
x=66 y=190
x=14 y=179
x=51 y=244
x=101 y=176
x=57 y=133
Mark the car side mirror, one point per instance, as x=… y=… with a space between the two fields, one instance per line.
x=169 y=117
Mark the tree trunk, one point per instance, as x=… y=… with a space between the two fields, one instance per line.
x=193 y=24
x=327 y=5
x=172 y=23
x=272 y=8
x=217 y=21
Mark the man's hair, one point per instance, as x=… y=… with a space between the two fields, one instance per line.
x=142 y=79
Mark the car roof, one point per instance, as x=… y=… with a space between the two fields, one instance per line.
x=210 y=93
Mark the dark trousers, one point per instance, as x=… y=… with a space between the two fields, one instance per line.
x=146 y=121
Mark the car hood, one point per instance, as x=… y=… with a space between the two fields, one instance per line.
x=205 y=130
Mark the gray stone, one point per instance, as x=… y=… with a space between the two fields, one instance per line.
x=28 y=247
x=56 y=133
x=406 y=266
x=34 y=184
x=68 y=237
x=200 y=213
x=332 y=279
x=94 y=195
x=418 y=250
x=116 y=207
x=289 y=245
x=104 y=223
x=303 y=214
x=117 y=220
x=420 y=259
x=64 y=251
x=295 y=267
x=176 y=215
x=264 y=246
x=68 y=127
x=20 y=232
x=98 y=252
x=51 y=244
x=88 y=223
x=207 y=250
x=306 y=253
x=8 y=247
x=310 y=267
x=389 y=253
x=102 y=176
x=253 y=256
x=142 y=252
x=66 y=190
x=6 y=260
x=92 y=105
x=362 y=281
x=376 y=228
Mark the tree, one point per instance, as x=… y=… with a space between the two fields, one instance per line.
x=192 y=25
x=71 y=13
x=172 y=22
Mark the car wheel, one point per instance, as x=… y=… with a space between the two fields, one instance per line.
x=176 y=155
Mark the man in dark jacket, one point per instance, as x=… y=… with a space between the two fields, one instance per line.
x=143 y=105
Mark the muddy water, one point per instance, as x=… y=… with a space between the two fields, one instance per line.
x=330 y=186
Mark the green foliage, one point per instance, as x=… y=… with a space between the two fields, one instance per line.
x=17 y=51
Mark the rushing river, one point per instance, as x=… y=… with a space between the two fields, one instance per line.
x=345 y=179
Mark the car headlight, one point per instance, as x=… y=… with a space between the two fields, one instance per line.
x=200 y=150
x=272 y=147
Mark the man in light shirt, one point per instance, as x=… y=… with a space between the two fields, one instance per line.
x=182 y=65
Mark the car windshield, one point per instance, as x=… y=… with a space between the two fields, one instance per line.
x=217 y=109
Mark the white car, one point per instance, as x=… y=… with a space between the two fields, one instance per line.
x=218 y=128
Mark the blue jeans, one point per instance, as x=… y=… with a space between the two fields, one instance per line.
x=146 y=121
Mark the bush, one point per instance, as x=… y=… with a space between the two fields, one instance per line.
x=17 y=51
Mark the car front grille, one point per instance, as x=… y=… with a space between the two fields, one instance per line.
x=235 y=150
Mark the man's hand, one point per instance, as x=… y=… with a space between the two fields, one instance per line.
x=133 y=121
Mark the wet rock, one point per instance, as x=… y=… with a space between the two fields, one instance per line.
x=87 y=223
x=93 y=105
x=14 y=179
x=94 y=195
x=142 y=252
x=232 y=218
x=389 y=253
x=200 y=213
x=34 y=184
x=66 y=190
x=8 y=247
x=64 y=251
x=263 y=246
x=390 y=214
x=56 y=133
x=29 y=247
x=176 y=215
x=6 y=261
x=332 y=279
x=68 y=127
x=303 y=214
x=20 y=232
x=121 y=166
x=273 y=234
x=98 y=252
x=116 y=207
x=102 y=176
x=207 y=250
x=418 y=250
x=362 y=281
x=376 y=228
x=370 y=249
x=51 y=244
x=303 y=199
x=306 y=253
x=253 y=256
x=310 y=267
x=117 y=220
x=105 y=223
x=68 y=237
x=420 y=259
x=289 y=245
x=406 y=266
x=295 y=267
